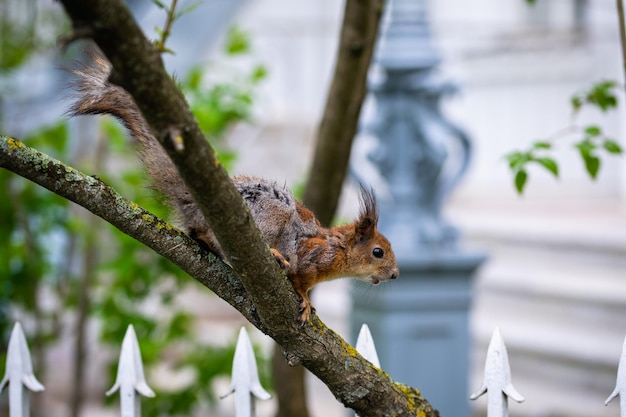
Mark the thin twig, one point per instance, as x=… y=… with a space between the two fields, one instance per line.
x=562 y=133
x=622 y=33
x=169 y=21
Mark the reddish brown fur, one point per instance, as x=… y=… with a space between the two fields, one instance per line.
x=304 y=213
x=308 y=252
x=344 y=251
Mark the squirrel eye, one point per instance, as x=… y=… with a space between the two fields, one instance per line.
x=378 y=252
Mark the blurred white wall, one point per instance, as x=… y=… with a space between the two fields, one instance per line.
x=517 y=66
x=554 y=281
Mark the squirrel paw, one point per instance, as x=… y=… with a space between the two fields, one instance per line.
x=282 y=262
x=305 y=310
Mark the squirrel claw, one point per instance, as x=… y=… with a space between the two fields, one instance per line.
x=305 y=311
x=304 y=317
x=282 y=262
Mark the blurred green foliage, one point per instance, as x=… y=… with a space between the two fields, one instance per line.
x=217 y=103
x=45 y=240
x=589 y=140
x=32 y=220
x=26 y=27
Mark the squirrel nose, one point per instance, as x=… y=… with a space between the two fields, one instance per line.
x=395 y=274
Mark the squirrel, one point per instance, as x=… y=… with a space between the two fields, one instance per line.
x=308 y=252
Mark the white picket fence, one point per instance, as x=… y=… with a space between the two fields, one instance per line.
x=131 y=383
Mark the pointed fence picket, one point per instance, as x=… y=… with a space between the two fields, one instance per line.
x=620 y=384
x=18 y=374
x=365 y=346
x=497 y=379
x=245 y=378
x=131 y=382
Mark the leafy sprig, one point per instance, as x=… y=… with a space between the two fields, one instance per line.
x=171 y=16
x=594 y=142
x=519 y=160
x=220 y=103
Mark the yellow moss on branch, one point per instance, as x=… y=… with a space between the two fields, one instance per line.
x=14 y=145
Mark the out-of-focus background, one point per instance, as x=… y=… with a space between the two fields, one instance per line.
x=555 y=278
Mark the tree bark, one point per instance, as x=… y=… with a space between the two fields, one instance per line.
x=353 y=380
x=289 y=385
x=343 y=105
x=255 y=285
x=337 y=129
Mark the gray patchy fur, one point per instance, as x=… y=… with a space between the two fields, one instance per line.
x=308 y=252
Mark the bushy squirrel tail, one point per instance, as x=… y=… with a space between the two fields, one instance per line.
x=96 y=95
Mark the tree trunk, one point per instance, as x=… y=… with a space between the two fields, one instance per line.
x=332 y=153
x=89 y=260
x=290 y=386
x=343 y=106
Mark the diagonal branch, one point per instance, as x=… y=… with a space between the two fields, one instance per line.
x=138 y=68
x=352 y=379
x=256 y=287
x=100 y=199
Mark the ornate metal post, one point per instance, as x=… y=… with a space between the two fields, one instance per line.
x=420 y=321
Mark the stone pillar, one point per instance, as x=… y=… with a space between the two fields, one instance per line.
x=420 y=322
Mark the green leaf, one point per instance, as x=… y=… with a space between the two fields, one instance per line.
x=585 y=146
x=187 y=9
x=258 y=73
x=592 y=164
x=194 y=77
x=577 y=102
x=517 y=159
x=593 y=131
x=542 y=145
x=612 y=147
x=520 y=180
x=602 y=95
x=159 y=4
x=237 y=41
x=549 y=164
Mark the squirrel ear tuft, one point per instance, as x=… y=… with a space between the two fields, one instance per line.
x=368 y=217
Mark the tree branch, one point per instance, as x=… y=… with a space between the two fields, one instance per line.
x=137 y=67
x=100 y=199
x=622 y=34
x=352 y=379
x=256 y=287
x=359 y=30
x=343 y=105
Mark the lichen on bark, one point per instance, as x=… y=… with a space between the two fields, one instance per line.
x=255 y=285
